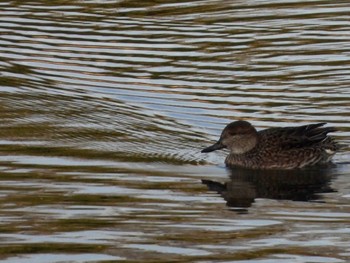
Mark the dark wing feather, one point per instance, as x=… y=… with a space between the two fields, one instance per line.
x=307 y=135
x=300 y=136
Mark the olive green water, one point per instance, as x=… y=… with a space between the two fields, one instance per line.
x=105 y=106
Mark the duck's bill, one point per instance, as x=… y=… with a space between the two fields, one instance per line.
x=214 y=147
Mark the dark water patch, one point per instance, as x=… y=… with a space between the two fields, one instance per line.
x=49 y=248
x=246 y=185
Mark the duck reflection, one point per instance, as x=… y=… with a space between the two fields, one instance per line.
x=245 y=185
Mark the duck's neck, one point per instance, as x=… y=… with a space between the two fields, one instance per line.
x=245 y=144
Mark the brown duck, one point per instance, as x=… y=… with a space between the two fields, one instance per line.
x=276 y=148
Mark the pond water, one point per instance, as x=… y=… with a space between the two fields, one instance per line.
x=106 y=105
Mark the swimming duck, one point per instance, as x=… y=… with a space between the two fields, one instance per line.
x=276 y=148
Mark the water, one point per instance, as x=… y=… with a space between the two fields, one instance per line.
x=105 y=106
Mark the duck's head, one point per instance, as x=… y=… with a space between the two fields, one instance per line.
x=239 y=137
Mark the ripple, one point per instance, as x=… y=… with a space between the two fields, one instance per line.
x=42 y=258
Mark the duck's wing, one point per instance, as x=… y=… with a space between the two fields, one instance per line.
x=300 y=136
x=314 y=132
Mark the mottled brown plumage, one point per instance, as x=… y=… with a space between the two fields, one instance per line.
x=279 y=148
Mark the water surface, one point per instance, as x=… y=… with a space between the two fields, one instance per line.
x=105 y=106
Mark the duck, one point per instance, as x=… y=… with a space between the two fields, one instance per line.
x=276 y=148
